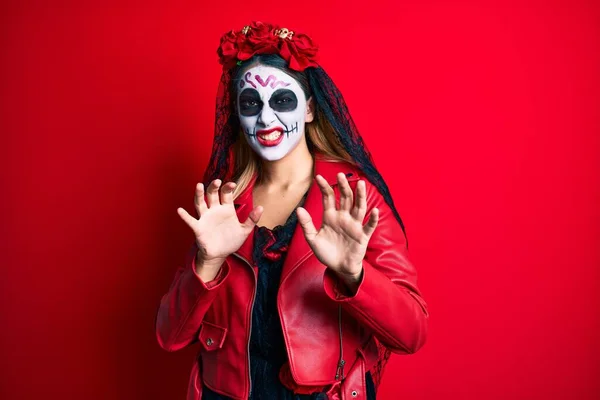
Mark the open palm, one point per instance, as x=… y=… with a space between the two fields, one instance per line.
x=218 y=230
x=341 y=243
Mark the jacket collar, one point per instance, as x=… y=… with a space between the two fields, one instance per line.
x=299 y=249
x=329 y=169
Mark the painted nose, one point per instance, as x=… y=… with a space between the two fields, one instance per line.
x=266 y=116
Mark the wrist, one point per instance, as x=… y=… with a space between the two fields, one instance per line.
x=352 y=273
x=352 y=280
x=207 y=270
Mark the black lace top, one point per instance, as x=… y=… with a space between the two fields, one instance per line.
x=267 y=346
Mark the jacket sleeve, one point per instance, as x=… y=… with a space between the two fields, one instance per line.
x=182 y=309
x=387 y=299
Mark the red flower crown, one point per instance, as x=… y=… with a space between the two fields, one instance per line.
x=260 y=38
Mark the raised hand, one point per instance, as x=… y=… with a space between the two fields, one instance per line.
x=341 y=243
x=218 y=230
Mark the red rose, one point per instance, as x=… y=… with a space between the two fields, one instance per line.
x=229 y=48
x=300 y=52
x=305 y=45
x=259 y=40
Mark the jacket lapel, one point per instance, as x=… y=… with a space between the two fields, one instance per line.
x=243 y=206
x=299 y=250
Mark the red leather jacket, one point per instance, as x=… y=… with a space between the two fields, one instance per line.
x=332 y=339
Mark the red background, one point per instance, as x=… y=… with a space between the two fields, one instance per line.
x=482 y=117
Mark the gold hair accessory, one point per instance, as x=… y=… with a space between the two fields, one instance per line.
x=246 y=30
x=284 y=33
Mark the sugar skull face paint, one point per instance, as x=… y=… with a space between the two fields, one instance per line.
x=273 y=110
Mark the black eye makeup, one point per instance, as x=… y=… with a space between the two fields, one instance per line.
x=283 y=100
x=250 y=103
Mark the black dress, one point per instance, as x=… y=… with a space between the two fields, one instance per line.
x=267 y=346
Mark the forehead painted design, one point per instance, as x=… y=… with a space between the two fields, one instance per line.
x=271 y=81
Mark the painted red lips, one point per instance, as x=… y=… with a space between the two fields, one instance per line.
x=266 y=142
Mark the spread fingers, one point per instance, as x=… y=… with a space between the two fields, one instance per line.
x=327 y=191
x=212 y=193
x=346 y=197
x=199 y=201
x=227 y=193
x=360 y=204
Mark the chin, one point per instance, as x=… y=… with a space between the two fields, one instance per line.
x=271 y=154
x=271 y=157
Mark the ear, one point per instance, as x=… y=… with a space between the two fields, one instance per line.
x=309 y=116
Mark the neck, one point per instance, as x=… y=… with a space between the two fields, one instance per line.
x=296 y=168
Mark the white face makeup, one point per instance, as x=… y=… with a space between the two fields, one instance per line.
x=272 y=110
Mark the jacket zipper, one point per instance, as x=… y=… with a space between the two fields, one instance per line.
x=250 y=322
x=339 y=373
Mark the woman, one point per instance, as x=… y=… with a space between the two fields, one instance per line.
x=308 y=295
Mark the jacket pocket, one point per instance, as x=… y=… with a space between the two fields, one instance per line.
x=211 y=336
